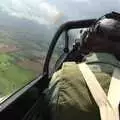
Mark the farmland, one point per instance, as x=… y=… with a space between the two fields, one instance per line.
x=12 y=76
x=23 y=47
x=17 y=67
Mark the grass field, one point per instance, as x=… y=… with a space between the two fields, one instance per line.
x=12 y=76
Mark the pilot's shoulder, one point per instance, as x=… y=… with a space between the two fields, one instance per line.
x=68 y=64
x=70 y=69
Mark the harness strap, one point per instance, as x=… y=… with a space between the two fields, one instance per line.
x=107 y=111
x=113 y=93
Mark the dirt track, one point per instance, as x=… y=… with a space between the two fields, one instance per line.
x=31 y=65
x=8 y=48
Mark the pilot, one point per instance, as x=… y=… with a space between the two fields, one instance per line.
x=71 y=98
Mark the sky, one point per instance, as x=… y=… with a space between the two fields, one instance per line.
x=53 y=11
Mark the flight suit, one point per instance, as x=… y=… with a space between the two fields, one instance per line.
x=69 y=96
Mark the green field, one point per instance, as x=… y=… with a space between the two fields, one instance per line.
x=12 y=77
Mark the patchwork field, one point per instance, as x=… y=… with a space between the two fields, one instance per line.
x=12 y=76
x=23 y=47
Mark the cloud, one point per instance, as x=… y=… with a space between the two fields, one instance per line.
x=36 y=10
x=84 y=9
x=48 y=12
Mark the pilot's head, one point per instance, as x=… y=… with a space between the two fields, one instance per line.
x=104 y=35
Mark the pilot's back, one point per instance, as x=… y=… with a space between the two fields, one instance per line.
x=70 y=98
